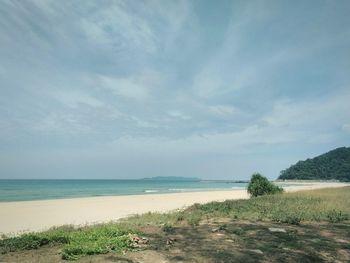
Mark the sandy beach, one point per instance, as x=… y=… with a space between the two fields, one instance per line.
x=17 y=217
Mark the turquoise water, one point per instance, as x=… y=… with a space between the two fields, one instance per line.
x=23 y=190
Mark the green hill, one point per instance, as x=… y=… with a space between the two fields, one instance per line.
x=333 y=165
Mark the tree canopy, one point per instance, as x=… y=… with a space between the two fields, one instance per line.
x=333 y=165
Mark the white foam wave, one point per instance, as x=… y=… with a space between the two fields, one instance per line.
x=151 y=191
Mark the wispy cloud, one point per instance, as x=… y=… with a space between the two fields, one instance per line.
x=118 y=28
x=126 y=87
x=180 y=88
x=74 y=98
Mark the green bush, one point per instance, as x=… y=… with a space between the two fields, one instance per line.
x=259 y=185
x=336 y=216
x=168 y=228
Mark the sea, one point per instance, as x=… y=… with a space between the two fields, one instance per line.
x=25 y=190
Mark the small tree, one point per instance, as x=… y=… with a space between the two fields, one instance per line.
x=260 y=185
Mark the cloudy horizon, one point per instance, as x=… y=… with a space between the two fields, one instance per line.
x=133 y=89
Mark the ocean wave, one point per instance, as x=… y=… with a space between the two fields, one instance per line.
x=187 y=189
x=151 y=191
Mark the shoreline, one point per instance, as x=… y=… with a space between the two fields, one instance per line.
x=287 y=183
x=18 y=217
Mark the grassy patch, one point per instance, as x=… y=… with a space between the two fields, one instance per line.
x=98 y=239
x=329 y=205
x=332 y=205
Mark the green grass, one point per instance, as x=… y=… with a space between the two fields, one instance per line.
x=328 y=205
x=332 y=205
x=76 y=243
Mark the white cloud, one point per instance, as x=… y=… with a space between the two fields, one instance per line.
x=141 y=86
x=212 y=143
x=346 y=127
x=166 y=82
x=126 y=87
x=223 y=110
x=74 y=98
x=144 y=123
x=61 y=123
x=207 y=83
x=117 y=27
x=179 y=114
x=315 y=121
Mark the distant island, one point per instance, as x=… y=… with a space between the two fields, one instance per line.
x=333 y=165
x=172 y=178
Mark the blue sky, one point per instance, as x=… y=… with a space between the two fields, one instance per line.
x=131 y=89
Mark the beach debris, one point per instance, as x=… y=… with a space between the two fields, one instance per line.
x=170 y=241
x=258 y=251
x=276 y=229
x=215 y=229
x=138 y=241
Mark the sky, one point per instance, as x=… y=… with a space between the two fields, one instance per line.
x=133 y=89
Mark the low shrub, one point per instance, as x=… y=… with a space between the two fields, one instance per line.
x=168 y=228
x=336 y=216
x=260 y=185
x=26 y=241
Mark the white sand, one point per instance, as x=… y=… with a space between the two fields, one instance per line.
x=16 y=217
x=310 y=185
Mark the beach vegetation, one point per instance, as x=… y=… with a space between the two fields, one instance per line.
x=193 y=218
x=260 y=185
x=168 y=228
x=77 y=242
x=246 y=224
x=336 y=216
x=317 y=205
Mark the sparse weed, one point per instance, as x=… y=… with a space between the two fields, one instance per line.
x=193 y=219
x=168 y=228
x=336 y=216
